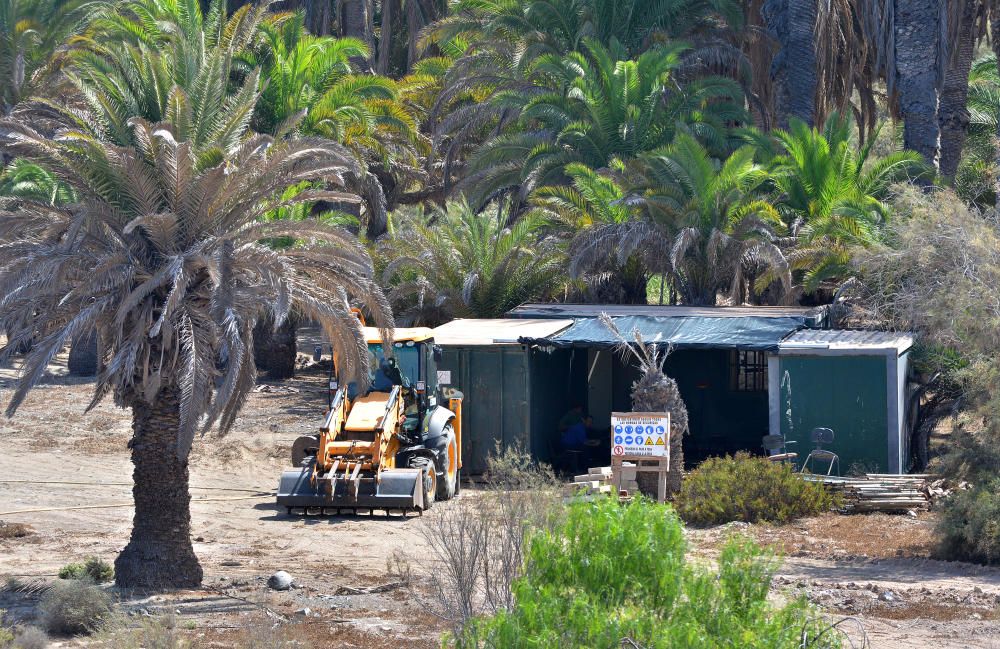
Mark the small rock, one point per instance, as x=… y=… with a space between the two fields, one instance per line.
x=304 y=612
x=280 y=580
x=199 y=539
x=887 y=596
x=911 y=513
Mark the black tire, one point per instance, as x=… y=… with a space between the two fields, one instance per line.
x=448 y=484
x=304 y=447
x=429 y=478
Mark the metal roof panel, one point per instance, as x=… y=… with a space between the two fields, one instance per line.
x=496 y=331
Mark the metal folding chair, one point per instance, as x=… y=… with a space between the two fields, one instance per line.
x=775 y=445
x=822 y=437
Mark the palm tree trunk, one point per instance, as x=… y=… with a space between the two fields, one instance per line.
x=995 y=42
x=953 y=116
x=159 y=553
x=356 y=22
x=792 y=23
x=918 y=44
x=275 y=351
x=83 y=355
x=390 y=15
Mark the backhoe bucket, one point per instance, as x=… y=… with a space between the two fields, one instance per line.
x=396 y=489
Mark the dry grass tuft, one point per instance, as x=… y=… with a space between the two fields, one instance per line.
x=15 y=530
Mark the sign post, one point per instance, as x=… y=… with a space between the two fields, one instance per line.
x=644 y=439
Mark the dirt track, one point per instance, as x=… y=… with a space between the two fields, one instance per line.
x=875 y=567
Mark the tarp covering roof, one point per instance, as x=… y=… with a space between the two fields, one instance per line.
x=496 y=331
x=813 y=316
x=690 y=332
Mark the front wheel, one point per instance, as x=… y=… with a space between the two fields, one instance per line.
x=428 y=478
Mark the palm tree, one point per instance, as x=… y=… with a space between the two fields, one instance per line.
x=164 y=61
x=833 y=196
x=654 y=391
x=311 y=88
x=984 y=124
x=560 y=26
x=161 y=257
x=594 y=107
x=31 y=32
x=25 y=180
x=456 y=263
x=709 y=219
x=593 y=212
x=500 y=44
x=967 y=26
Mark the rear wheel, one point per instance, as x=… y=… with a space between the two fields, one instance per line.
x=448 y=487
x=428 y=478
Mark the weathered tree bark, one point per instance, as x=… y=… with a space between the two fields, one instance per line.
x=917 y=34
x=995 y=42
x=390 y=16
x=657 y=392
x=159 y=554
x=356 y=21
x=953 y=116
x=275 y=351
x=792 y=23
x=83 y=355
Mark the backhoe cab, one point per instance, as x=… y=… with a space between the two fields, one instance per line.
x=390 y=444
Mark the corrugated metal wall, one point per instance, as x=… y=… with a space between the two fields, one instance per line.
x=844 y=393
x=496 y=384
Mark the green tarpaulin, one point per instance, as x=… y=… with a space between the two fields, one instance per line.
x=690 y=332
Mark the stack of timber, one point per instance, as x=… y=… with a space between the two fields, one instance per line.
x=879 y=492
x=595 y=481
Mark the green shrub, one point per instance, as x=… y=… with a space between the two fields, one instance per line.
x=93 y=568
x=750 y=489
x=609 y=572
x=74 y=606
x=969 y=526
x=31 y=638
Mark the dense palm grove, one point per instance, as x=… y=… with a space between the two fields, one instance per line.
x=175 y=173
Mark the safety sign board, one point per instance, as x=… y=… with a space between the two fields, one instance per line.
x=640 y=434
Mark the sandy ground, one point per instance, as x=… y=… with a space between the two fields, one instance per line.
x=875 y=568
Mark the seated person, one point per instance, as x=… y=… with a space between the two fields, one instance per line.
x=573 y=429
x=386 y=376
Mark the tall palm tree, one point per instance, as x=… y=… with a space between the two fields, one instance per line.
x=593 y=212
x=709 y=219
x=164 y=61
x=833 y=196
x=456 y=263
x=501 y=41
x=311 y=88
x=594 y=107
x=161 y=257
x=31 y=32
x=793 y=24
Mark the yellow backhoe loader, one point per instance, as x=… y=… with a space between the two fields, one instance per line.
x=390 y=445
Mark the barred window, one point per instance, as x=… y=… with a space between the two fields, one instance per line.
x=747 y=371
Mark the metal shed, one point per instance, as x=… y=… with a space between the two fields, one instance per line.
x=512 y=391
x=853 y=382
x=719 y=361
